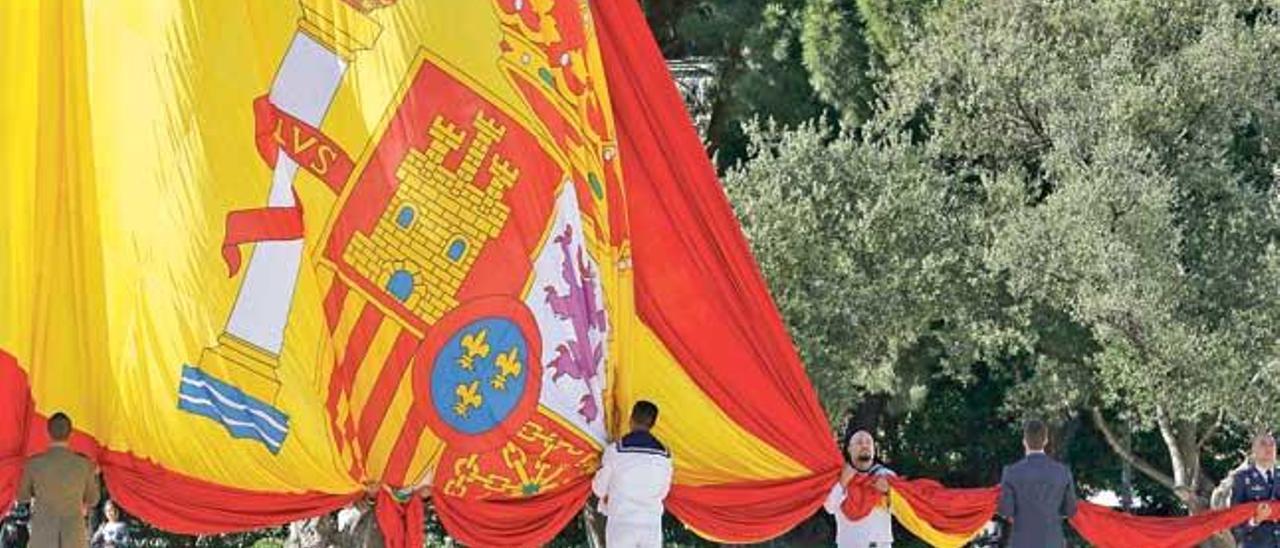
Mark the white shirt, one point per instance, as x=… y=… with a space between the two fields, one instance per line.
x=111 y=534
x=876 y=527
x=1267 y=473
x=633 y=481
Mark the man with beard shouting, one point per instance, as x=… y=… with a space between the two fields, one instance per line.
x=875 y=530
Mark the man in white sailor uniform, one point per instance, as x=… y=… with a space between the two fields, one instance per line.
x=633 y=481
x=875 y=530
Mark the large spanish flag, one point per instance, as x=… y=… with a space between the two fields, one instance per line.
x=268 y=253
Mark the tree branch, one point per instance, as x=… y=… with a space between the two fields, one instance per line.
x=1170 y=437
x=1180 y=439
x=1211 y=432
x=1137 y=462
x=1204 y=487
x=1032 y=123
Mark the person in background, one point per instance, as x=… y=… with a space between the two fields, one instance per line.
x=875 y=530
x=113 y=533
x=13 y=527
x=63 y=484
x=1037 y=493
x=633 y=481
x=1258 y=483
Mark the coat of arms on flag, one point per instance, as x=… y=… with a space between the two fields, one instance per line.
x=461 y=286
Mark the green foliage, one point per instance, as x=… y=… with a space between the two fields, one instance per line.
x=1087 y=201
x=890 y=24
x=147 y=536
x=785 y=60
x=867 y=250
x=838 y=59
x=761 y=73
x=1124 y=150
x=953 y=435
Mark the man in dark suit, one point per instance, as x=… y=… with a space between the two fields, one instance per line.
x=1258 y=483
x=1036 y=493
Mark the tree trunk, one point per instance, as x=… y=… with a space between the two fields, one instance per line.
x=1121 y=448
x=1181 y=437
x=1187 y=482
x=720 y=121
x=1183 y=443
x=593 y=526
x=358 y=528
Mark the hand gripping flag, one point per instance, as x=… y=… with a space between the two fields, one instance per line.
x=266 y=254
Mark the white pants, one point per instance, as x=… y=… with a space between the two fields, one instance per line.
x=625 y=535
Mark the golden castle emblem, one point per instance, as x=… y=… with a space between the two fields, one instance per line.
x=436 y=224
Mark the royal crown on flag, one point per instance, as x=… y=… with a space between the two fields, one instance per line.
x=545 y=53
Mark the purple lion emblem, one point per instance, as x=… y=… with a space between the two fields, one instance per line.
x=578 y=357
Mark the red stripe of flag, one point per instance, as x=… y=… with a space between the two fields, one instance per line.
x=357 y=346
x=333 y=302
x=407 y=444
x=349 y=439
x=384 y=390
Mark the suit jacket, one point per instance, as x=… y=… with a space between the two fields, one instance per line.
x=1251 y=485
x=62 y=483
x=1037 y=493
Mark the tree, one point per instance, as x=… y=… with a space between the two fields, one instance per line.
x=761 y=73
x=664 y=18
x=892 y=24
x=1126 y=153
x=838 y=59
x=867 y=250
x=786 y=60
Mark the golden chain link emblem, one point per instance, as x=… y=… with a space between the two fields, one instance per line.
x=536 y=460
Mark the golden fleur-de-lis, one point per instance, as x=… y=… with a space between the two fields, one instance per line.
x=473 y=346
x=508 y=366
x=468 y=398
